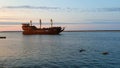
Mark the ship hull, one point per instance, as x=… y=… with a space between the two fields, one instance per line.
x=31 y=30
x=41 y=32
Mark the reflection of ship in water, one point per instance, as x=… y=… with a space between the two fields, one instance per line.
x=29 y=29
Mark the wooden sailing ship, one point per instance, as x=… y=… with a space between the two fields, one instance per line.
x=29 y=29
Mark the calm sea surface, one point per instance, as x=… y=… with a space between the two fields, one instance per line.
x=60 y=51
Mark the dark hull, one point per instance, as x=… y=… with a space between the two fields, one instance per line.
x=30 y=30
x=41 y=32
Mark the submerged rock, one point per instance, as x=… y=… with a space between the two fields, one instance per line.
x=2 y=37
x=105 y=53
x=81 y=50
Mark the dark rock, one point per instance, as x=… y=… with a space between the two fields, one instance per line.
x=2 y=37
x=105 y=53
x=81 y=50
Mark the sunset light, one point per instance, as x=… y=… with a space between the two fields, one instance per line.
x=59 y=33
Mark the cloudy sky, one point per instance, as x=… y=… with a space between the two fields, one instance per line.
x=100 y=14
x=68 y=11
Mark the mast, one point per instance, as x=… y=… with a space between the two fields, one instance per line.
x=30 y=22
x=40 y=23
x=51 y=22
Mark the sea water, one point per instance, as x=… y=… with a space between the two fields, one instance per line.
x=60 y=51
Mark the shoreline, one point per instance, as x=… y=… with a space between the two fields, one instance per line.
x=78 y=31
x=92 y=31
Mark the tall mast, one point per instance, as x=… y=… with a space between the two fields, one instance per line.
x=30 y=22
x=51 y=22
x=40 y=23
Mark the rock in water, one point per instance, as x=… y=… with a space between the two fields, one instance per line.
x=105 y=53
x=81 y=50
x=2 y=37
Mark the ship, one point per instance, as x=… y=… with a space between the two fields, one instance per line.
x=29 y=29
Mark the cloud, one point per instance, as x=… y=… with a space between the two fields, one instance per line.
x=102 y=10
x=41 y=8
x=114 y=9
x=109 y=9
x=9 y=19
x=30 y=7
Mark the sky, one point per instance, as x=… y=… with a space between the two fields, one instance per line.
x=61 y=11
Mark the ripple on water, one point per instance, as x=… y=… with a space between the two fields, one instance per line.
x=60 y=51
